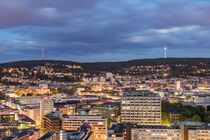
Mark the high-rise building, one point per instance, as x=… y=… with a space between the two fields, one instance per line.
x=98 y=124
x=141 y=108
x=46 y=106
x=51 y=122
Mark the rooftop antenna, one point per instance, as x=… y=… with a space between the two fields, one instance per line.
x=42 y=53
x=165 y=51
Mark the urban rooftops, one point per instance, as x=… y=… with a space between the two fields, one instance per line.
x=141 y=93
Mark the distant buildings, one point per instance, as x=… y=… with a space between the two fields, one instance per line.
x=142 y=108
x=201 y=99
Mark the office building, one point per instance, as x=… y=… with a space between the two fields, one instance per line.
x=50 y=122
x=141 y=108
x=46 y=106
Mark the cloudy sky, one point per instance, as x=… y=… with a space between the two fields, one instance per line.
x=103 y=30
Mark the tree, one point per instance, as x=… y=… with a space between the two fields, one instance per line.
x=109 y=120
x=185 y=115
x=201 y=112
x=196 y=118
x=165 y=119
x=29 y=94
x=2 y=96
x=207 y=119
x=208 y=108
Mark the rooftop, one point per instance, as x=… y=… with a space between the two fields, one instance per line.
x=141 y=93
x=157 y=127
x=44 y=137
x=192 y=123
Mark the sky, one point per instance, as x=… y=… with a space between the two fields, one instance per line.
x=103 y=30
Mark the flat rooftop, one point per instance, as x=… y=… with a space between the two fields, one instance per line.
x=157 y=127
x=144 y=93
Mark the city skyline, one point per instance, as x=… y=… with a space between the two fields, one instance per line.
x=100 y=31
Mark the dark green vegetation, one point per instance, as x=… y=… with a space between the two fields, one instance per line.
x=115 y=66
x=187 y=113
x=3 y=96
x=68 y=71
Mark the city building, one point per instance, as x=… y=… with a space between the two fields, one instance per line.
x=111 y=111
x=116 y=132
x=199 y=133
x=142 y=108
x=27 y=134
x=68 y=135
x=25 y=122
x=195 y=130
x=46 y=106
x=173 y=114
x=68 y=109
x=98 y=124
x=32 y=112
x=201 y=99
x=51 y=122
x=145 y=132
x=29 y=100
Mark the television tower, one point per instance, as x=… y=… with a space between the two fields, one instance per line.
x=42 y=53
x=165 y=51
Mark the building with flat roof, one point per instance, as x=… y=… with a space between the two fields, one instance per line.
x=98 y=124
x=50 y=123
x=46 y=106
x=155 y=132
x=180 y=131
x=142 y=108
x=199 y=133
x=29 y=100
x=116 y=132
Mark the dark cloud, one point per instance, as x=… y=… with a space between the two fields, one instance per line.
x=103 y=30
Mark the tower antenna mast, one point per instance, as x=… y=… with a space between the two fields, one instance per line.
x=165 y=51
x=42 y=53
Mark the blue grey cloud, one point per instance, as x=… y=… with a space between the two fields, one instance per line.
x=104 y=30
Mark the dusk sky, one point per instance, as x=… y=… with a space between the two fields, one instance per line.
x=103 y=30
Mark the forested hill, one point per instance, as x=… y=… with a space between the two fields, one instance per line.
x=112 y=66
